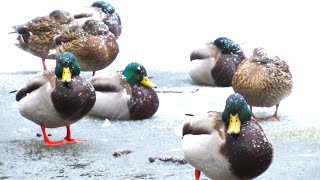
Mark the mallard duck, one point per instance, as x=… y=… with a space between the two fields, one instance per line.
x=126 y=95
x=216 y=63
x=57 y=98
x=36 y=36
x=94 y=46
x=228 y=145
x=263 y=81
x=104 y=11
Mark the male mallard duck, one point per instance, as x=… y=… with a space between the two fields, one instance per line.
x=216 y=63
x=263 y=81
x=101 y=10
x=36 y=36
x=94 y=46
x=125 y=96
x=55 y=99
x=228 y=145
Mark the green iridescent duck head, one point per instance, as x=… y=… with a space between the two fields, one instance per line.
x=99 y=4
x=235 y=113
x=135 y=73
x=227 y=46
x=105 y=6
x=67 y=66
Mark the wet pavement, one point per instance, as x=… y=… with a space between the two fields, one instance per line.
x=164 y=50
x=23 y=154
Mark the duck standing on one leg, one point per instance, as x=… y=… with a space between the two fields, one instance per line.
x=55 y=99
x=126 y=95
x=263 y=81
x=36 y=36
x=216 y=63
x=227 y=145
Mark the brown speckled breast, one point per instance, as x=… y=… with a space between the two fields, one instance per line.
x=224 y=69
x=113 y=21
x=75 y=99
x=250 y=153
x=144 y=102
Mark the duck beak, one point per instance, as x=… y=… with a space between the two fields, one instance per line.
x=234 y=124
x=145 y=81
x=66 y=74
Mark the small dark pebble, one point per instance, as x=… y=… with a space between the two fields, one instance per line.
x=120 y=153
x=39 y=135
x=174 y=160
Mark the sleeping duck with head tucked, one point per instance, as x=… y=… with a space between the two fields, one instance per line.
x=102 y=11
x=126 y=95
x=94 y=46
x=228 y=145
x=215 y=63
x=57 y=98
x=263 y=81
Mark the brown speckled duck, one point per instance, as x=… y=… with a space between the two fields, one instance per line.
x=216 y=63
x=128 y=95
x=263 y=81
x=94 y=46
x=228 y=145
x=55 y=99
x=103 y=11
x=36 y=36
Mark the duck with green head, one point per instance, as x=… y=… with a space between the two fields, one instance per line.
x=36 y=36
x=126 y=95
x=103 y=11
x=263 y=81
x=57 y=98
x=215 y=63
x=94 y=46
x=228 y=145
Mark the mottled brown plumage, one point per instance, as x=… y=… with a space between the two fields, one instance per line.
x=263 y=81
x=36 y=36
x=94 y=46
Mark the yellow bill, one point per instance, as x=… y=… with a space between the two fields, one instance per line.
x=234 y=124
x=145 y=81
x=66 y=75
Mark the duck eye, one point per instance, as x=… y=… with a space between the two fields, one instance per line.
x=137 y=71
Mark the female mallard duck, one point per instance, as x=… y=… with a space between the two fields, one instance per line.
x=94 y=46
x=105 y=12
x=55 y=99
x=125 y=96
x=36 y=36
x=263 y=81
x=228 y=145
x=216 y=63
